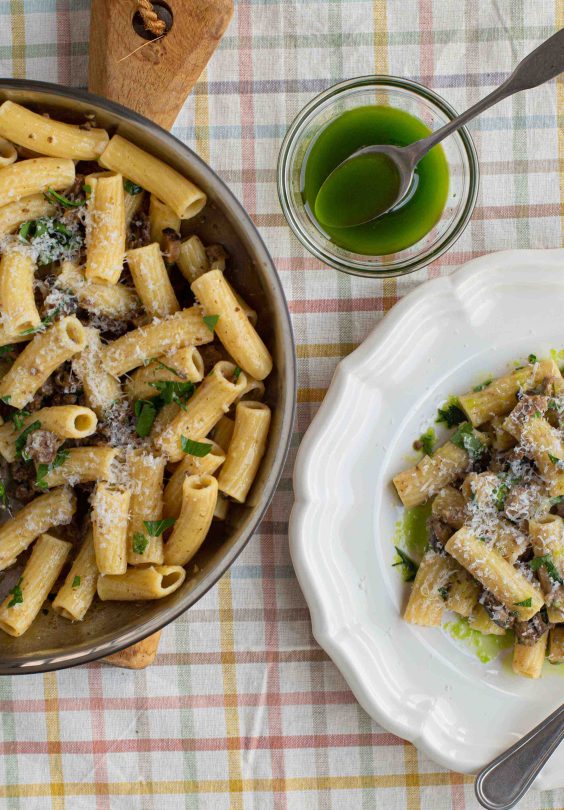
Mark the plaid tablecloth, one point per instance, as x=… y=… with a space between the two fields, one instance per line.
x=242 y=709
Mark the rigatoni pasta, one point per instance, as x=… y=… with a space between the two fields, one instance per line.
x=496 y=502
x=112 y=379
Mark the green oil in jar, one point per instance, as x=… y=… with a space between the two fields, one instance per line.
x=412 y=218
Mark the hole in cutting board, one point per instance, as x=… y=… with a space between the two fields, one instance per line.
x=163 y=12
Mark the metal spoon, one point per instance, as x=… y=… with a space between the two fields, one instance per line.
x=542 y=64
x=505 y=781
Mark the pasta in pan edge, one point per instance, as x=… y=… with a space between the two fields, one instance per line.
x=495 y=536
x=122 y=351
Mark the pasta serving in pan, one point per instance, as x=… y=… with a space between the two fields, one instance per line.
x=496 y=533
x=131 y=373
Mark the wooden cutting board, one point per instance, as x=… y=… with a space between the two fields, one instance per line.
x=152 y=77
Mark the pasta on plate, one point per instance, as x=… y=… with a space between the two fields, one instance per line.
x=131 y=373
x=495 y=552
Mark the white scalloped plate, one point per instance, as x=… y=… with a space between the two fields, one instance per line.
x=440 y=339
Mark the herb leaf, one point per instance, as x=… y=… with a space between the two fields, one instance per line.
x=51 y=238
x=467 y=439
x=131 y=188
x=18 y=418
x=76 y=582
x=525 y=603
x=16 y=594
x=172 y=391
x=548 y=563
x=53 y=196
x=3 y=495
x=236 y=373
x=452 y=414
x=483 y=385
x=532 y=359
x=426 y=442
x=443 y=593
x=157 y=527
x=44 y=469
x=211 y=321
x=145 y=412
x=4 y=350
x=140 y=543
x=409 y=566
x=22 y=438
x=192 y=448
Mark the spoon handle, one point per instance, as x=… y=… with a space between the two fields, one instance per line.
x=542 y=64
x=502 y=783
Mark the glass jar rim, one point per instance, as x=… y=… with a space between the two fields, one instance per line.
x=377 y=81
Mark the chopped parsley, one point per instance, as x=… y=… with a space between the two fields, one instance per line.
x=558 y=462
x=525 y=603
x=140 y=543
x=4 y=350
x=192 y=448
x=409 y=566
x=22 y=439
x=47 y=321
x=18 y=418
x=211 y=321
x=6 y=398
x=452 y=414
x=537 y=415
x=426 y=442
x=532 y=359
x=76 y=583
x=53 y=196
x=169 y=368
x=3 y=495
x=547 y=563
x=44 y=469
x=16 y=594
x=131 y=188
x=157 y=527
x=467 y=439
x=51 y=238
x=145 y=412
x=483 y=385
x=236 y=373
x=172 y=391
x=87 y=189
x=443 y=593
x=556 y=500
x=499 y=495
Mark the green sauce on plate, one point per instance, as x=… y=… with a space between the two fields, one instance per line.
x=412 y=218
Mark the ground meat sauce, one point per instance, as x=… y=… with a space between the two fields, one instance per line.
x=41 y=446
x=528 y=633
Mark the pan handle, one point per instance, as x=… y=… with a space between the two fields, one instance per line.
x=155 y=79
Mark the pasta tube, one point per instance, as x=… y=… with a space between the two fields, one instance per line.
x=17 y=274
x=199 y=496
x=66 y=421
x=40 y=358
x=507 y=584
x=133 y=204
x=8 y=152
x=28 y=208
x=184 y=328
x=419 y=483
x=110 y=512
x=151 y=280
x=463 y=593
x=500 y=396
x=83 y=464
x=203 y=410
x=109 y=300
x=20 y=608
x=233 y=328
x=190 y=465
x=139 y=584
x=185 y=199
x=426 y=603
x=49 y=137
x=27 y=177
x=101 y=389
x=182 y=365
x=223 y=432
x=161 y=218
x=43 y=513
x=528 y=661
x=76 y=594
x=146 y=484
x=480 y=620
x=105 y=233
x=221 y=507
x=246 y=449
x=192 y=259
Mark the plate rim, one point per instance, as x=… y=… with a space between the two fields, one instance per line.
x=326 y=637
